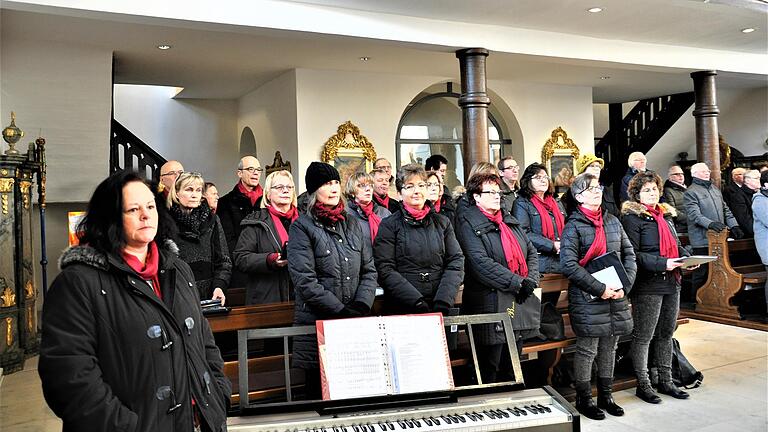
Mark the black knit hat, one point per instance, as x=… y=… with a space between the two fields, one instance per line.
x=319 y=174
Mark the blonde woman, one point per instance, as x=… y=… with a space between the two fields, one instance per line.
x=200 y=238
x=360 y=204
x=262 y=242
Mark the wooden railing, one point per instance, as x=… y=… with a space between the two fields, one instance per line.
x=127 y=151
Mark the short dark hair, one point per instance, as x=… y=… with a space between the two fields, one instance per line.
x=476 y=182
x=407 y=171
x=526 y=189
x=639 y=180
x=102 y=226
x=763 y=178
x=500 y=164
x=433 y=162
x=207 y=186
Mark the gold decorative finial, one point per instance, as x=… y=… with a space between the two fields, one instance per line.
x=12 y=135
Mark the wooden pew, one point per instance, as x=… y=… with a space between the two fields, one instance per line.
x=725 y=280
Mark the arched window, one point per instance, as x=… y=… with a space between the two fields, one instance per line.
x=432 y=124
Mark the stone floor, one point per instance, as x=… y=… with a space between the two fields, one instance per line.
x=734 y=396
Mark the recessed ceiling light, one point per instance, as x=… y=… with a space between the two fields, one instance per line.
x=747 y=30
x=605 y=77
x=595 y=9
x=164 y=47
x=364 y=59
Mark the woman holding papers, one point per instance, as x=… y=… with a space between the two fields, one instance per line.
x=656 y=294
x=599 y=311
x=330 y=264
x=418 y=259
x=501 y=273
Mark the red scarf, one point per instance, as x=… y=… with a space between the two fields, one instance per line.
x=148 y=270
x=416 y=214
x=253 y=195
x=329 y=216
x=373 y=219
x=276 y=214
x=549 y=206
x=436 y=205
x=382 y=201
x=667 y=242
x=599 y=245
x=512 y=251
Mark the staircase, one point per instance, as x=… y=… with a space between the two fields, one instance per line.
x=639 y=130
x=127 y=151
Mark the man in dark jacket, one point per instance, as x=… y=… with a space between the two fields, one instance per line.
x=509 y=171
x=233 y=207
x=637 y=163
x=732 y=188
x=674 y=188
x=741 y=202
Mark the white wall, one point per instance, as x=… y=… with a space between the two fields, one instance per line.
x=62 y=91
x=373 y=102
x=541 y=108
x=201 y=134
x=270 y=112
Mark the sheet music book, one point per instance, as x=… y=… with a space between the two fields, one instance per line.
x=693 y=260
x=379 y=356
x=608 y=269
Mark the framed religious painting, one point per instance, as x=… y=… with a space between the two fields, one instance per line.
x=349 y=151
x=559 y=155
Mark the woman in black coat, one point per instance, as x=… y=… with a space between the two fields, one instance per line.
x=361 y=205
x=599 y=312
x=501 y=274
x=331 y=266
x=436 y=198
x=541 y=216
x=418 y=259
x=201 y=239
x=124 y=344
x=656 y=294
x=263 y=238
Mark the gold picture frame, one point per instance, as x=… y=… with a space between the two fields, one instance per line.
x=559 y=155
x=349 y=151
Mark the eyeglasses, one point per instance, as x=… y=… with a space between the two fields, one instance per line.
x=594 y=189
x=492 y=192
x=410 y=187
x=511 y=167
x=252 y=169
x=282 y=188
x=433 y=184
x=540 y=177
x=365 y=187
x=173 y=173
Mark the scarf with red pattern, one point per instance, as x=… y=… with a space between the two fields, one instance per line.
x=599 y=246
x=383 y=201
x=277 y=215
x=329 y=216
x=547 y=206
x=252 y=195
x=147 y=270
x=416 y=214
x=512 y=251
x=373 y=219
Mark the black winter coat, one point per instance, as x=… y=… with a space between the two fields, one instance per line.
x=643 y=232
x=331 y=267
x=418 y=260
x=204 y=249
x=673 y=195
x=530 y=220
x=741 y=207
x=355 y=211
x=258 y=239
x=598 y=317
x=489 y=285
x=232 y=209
x=102 y=362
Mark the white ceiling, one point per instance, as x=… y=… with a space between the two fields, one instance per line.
x=218 y=61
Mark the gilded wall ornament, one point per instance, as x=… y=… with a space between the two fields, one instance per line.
x=26 y=193
x=349 y=151
x=29 y=290
x=8 y=331
x=8 y=297
x=31 y=318
x=278 y=164
x=559 y=155
x=6 y=188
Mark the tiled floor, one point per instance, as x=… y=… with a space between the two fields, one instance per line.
x=734 y=396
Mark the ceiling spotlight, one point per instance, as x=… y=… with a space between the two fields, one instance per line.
x=747 y=30
x=163 y=47
x=605 y=77
x=595 y=9
x=364 y=59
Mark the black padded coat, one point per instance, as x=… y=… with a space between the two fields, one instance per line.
x=103 y=363
x=597 y=317
x=489 y=285
x=530 y=220
x=331 y=267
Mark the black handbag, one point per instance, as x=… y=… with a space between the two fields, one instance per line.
x=683 y=373
x=552 y=325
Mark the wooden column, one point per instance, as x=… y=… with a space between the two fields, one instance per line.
x=474 y=104
x=705 y=112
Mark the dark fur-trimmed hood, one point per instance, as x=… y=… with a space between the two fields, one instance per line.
x=637 y=209
x=88 y=255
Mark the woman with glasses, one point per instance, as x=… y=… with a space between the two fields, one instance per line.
x=331 y=266
x=262 y=242
x=436 y=198
x=418 y=259
x=599 y=312
x=360 y=205
x=541 y=216
x=656 y=293
x=200 y=238
x=501 y=274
